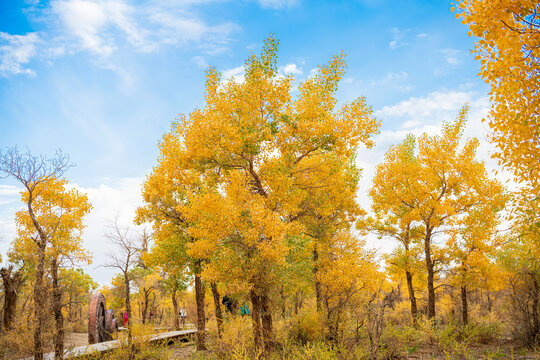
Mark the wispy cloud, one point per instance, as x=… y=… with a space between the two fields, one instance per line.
x=451 y=56
x=16 y=51
x=394 y=80
x=236 y=73
x=101 y=26
x=278 y=4
x=291 y=69
x=398 y=37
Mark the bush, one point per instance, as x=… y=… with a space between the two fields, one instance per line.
x=305 y=327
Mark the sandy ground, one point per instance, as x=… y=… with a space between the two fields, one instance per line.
x=76 y=339
x=182 y=352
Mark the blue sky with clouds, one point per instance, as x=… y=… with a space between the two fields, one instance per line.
x=102 y=79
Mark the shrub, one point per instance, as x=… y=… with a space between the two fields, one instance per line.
x=305 y=327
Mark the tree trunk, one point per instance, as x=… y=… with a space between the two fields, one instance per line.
x=11 y=288
x=412 y=297
x=256 y=319
x=199 y=299
x=175 y=306
x=535 y=318
x=267 y=326
x=145 y=305
x=283 y=302
x=39 y=301
x=318 y=295
x=217 y=307
x=464 y=305
x=57 y=311
x=430 y=274
x=128 y=307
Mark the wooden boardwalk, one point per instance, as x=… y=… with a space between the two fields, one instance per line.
x=109 y=345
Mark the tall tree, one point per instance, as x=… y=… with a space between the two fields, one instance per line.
x=34 y=173
x=124 y=259
x=394 y=218
x=267 y=152
x=63 y=210
x=434 y=188
x=508 y=45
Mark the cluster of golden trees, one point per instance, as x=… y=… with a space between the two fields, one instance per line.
x=255 y=194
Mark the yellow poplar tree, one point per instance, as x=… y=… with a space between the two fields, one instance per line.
x=508 y=45
x=473 y=242
x=60 y=211
x=444 y=183
x=393 y=218
x=266 y=152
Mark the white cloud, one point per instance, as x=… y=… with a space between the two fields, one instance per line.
x=292 y=69
x=277 y=4
x=397 y=38
x=451 y=56
x=200 y=61
x=101 y=26
x=236 y=73
x=17 y=51
x=394 y=80
x=422 y=108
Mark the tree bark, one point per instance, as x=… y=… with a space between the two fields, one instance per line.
x=217 y=307
x=39 y=301
x=430 y=274
x=412 y=297
x=256 y=319
x=199 y=299
x=128 y=306
x=318 y=294
x=464 y=305
x=11 y=288
x=267 y=326
x=175 y=306
x=536 y=300
x=57 y=311
x=145 y=305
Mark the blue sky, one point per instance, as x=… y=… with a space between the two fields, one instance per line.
x=103 y=79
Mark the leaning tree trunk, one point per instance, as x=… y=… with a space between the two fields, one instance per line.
x=256 y=319
x=412 y=297
x=464 y=305
x=39 y=302
x=11 y=288
x=217 y=307
x=57 y=311
x=430 y=274
x=199 y=299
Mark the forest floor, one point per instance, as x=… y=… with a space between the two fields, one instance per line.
x=503 y=350
x=500 y=350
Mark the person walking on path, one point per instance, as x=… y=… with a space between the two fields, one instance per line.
x=125 y=318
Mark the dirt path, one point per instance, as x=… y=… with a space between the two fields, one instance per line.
x=76 y=339
x=182 y=352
